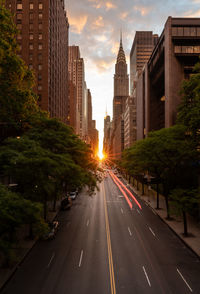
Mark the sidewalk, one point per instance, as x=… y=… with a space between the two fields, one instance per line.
x=25 y=247
x=176 y=224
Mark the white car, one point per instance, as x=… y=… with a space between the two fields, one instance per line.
x=73 y=194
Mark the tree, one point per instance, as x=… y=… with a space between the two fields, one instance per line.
x=189 y=110
x=184 y=201
x=166 y=154
x=15 y=212
x=18 y=103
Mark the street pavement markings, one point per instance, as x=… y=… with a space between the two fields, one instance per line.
x=138 y=211
x=154 y=211
x=110 y=259
x=129 y=230
x=146 y=276
x=52 y=257
x=184 y=280
x=152 y=231
x=80 y=260
x=122 y=210
x=88 y=221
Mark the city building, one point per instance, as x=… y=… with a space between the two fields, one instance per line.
x=129 y=122
x=106 y=138
x=121 y=92
x=143 y=45
x=77 y=77
x=172 y=61
x=43 y=45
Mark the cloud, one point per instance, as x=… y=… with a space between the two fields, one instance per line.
x=77 y=24
x=193 y=14
x=143 y=10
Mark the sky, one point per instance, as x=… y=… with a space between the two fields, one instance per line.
x=95 y=27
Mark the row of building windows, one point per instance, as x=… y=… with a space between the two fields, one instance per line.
x=31 y=6
x=186 y=31
x=31 y=36
x=186 y=49
x=31 y=16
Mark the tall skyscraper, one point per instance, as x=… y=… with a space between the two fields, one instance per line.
x=43 y=43
x=121 y=83
x=121 y=92
x=141 y=50
x=77 y=76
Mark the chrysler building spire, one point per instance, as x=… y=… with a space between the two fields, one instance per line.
x=121 y=55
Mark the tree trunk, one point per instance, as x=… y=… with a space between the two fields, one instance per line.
x=142 y=188
x=31 y=231
x=157 y=196
x=185 y=223
x=45 y=207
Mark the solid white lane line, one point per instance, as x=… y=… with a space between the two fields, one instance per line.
x=146 y=276
x=184 y=280
x=130 y=231
x=122 y=211
x=154 y=212
x=152 y=231
x=80 y=260
x=52 y=257
x=88 y=222
x=138 y=211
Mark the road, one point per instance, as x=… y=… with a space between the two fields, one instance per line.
x=103 y=246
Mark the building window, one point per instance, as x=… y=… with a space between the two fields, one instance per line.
x=31 y=6
x=40 y=46
x=19 y=6
x=39 y=97
x=30 y=66
x=40 y=26
x=20 y=47
x=19 y=16
x=39 y=87
x=39 y=77
x=40 y=6
x=30 y=27
x=39 y=56
x=31 y=46
x=19 y=26
x=193 y=31
x=39 y=66
x=30 y=36
x=31 y=57
x=9 y=5
x=19 y=37
x=31 y=16
x=186 y=31
x=40 y=36
x=40 y=15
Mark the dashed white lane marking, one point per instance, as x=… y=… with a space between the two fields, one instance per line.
x=87 y=223
x=122 y=211
x=146 y=276
x=52 y=257
x=129 y=230
x=138 y=211
x=184 y=280
x=152 y=231
x=154 y=212
x=80 y=260
x=146 y=203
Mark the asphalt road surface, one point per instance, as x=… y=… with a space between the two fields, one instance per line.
x=107 y=244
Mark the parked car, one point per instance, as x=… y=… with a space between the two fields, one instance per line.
x=73 y=194
x=66 y=203
x=53 y=228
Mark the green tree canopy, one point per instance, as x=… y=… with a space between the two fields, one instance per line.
x=17 y=101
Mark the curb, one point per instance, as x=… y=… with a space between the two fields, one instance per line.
x=16 y=267
x=163 y=220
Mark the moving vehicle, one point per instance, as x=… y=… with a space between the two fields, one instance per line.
x=66 y=203
x=53 y=229
x=73 y=194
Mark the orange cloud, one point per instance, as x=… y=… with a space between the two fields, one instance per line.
x=110 y=5
x=194 y=14
x=142 y=9
x=99 y=22
x=77 y=24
